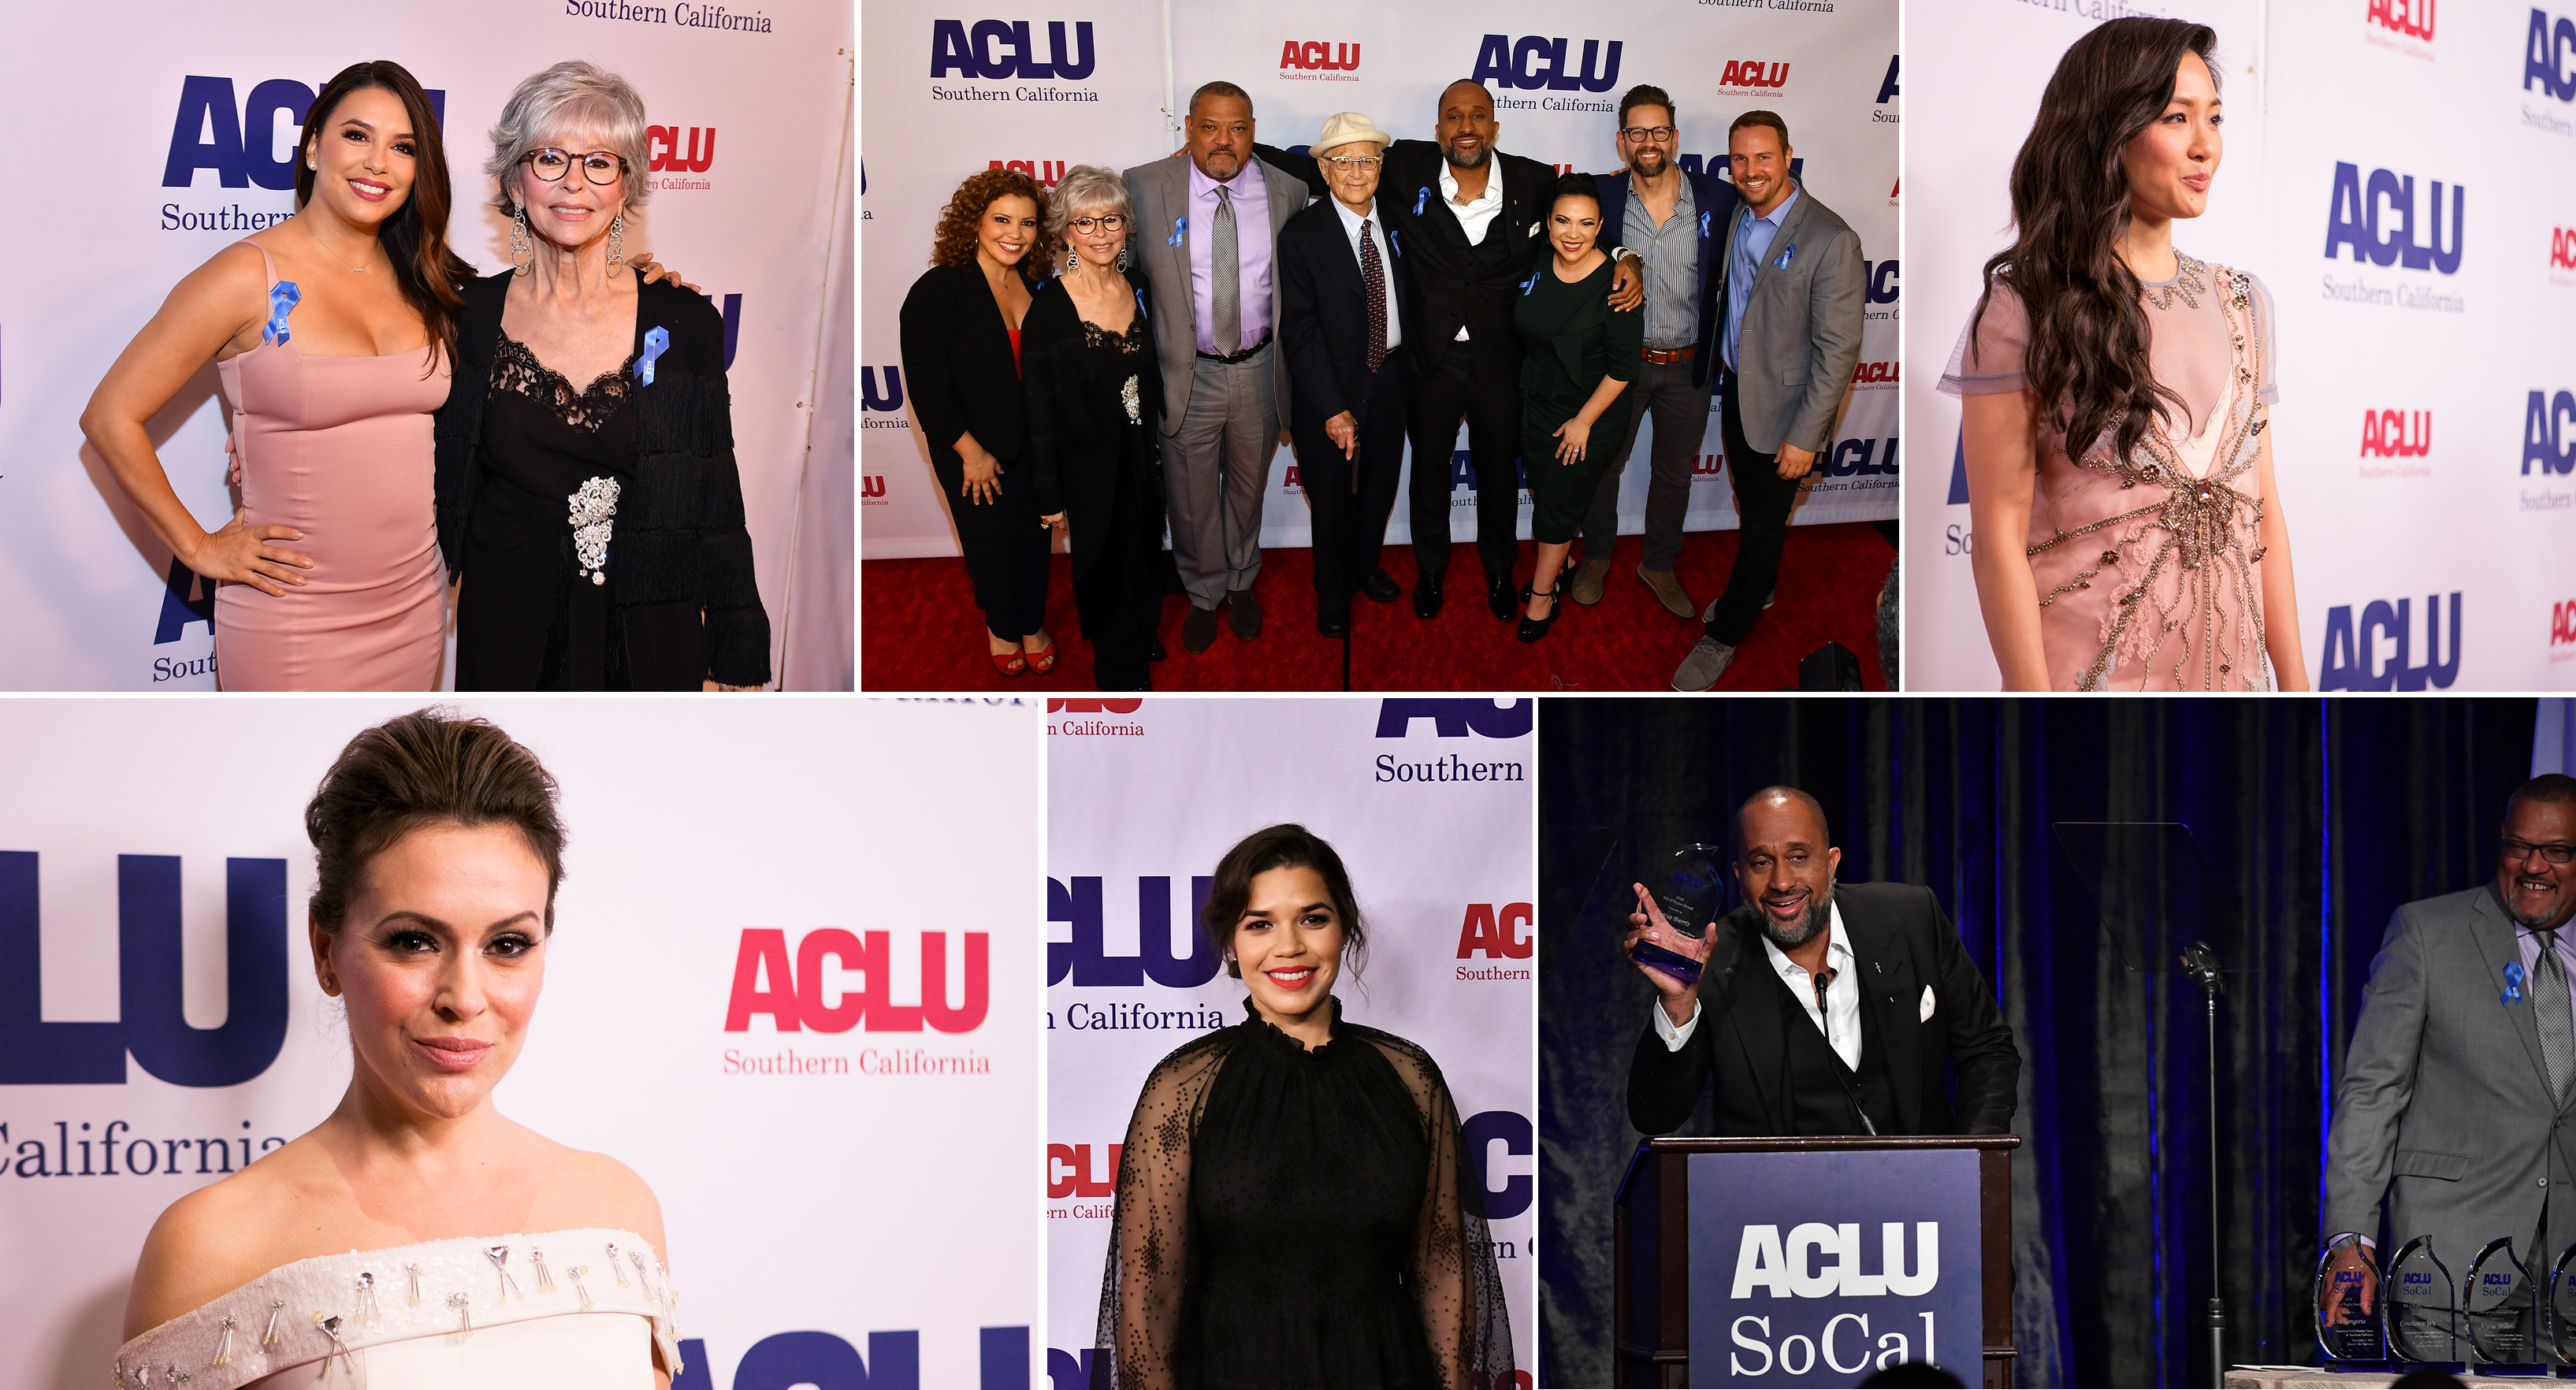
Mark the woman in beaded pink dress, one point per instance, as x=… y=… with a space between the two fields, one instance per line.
x=417 y=1239
x=2115 y=395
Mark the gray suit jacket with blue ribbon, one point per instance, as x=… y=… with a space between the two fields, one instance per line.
x=1801 y=335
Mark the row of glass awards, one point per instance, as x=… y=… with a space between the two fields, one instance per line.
x=2503 y=1324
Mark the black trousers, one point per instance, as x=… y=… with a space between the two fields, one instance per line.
x=1762 y=502
x=1492 y=407
x=1350 y=530
x=1006 y=549
x=1120 y=598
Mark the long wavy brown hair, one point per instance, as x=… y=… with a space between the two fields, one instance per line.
x=954 y=242
x=415 y=236
x=2087 y=359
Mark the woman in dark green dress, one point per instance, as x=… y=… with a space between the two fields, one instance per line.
x=1578 y=356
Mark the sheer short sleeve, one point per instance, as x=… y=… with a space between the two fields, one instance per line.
x=1464 y=1315
x=2268 y=387
x=1988 y=358
x=1149 y=1242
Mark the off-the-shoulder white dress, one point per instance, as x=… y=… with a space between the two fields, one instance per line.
x=582 y=1308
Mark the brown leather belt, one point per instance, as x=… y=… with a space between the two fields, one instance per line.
x=1231 y=358
x=1662 y=358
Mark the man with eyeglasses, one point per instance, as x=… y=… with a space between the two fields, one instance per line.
x=2456 y=1111
x=1677 y=221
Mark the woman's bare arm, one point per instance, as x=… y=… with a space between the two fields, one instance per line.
x=2280 y=588
x=2002 y=463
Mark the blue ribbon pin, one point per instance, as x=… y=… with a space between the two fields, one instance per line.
x=1525 y=284
x=1180 y=228
x=1421 y=200
x=1783 y=262
x=1396 y=240
x=2513 y=982
x=657 y=340
x=1703 y=226
x=281 y=302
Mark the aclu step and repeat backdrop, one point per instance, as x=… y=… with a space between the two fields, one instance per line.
x=1089 y=81
x=1431 y=804
x=2396 y=175
x=184 y=143
x=831 y=1171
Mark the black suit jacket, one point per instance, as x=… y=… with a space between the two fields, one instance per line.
x=957 y=367
x=1076 y=426
x=1902 y=944
x=1323 y=317
x=1717 y=201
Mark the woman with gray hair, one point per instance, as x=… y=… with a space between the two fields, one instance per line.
x=1087 y=358
x=587 y=492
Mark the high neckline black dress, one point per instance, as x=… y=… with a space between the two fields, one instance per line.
x=1291 y=1218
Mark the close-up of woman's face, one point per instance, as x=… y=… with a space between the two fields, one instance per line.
x=1007 y=229
x=576 y=209
x=363 y=157
x=2172 y=162
x=1288 y=942
x=439 y=958
x=1098 y=242
x=1573 y=224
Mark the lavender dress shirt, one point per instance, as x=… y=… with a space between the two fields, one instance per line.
x=1251 y=248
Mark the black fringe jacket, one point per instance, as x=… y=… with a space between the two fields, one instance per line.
x=680 y=533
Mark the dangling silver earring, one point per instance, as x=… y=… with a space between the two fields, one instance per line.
x=520 y=256
x=1122 y=259
x=616 y=245
x=1072 y=260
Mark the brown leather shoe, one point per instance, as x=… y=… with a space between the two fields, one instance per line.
x=1668 y=590
x=1587 y=581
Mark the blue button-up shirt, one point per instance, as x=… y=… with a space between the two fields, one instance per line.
x=1752 y=243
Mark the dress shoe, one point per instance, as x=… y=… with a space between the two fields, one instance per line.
x=1707 y=661
x=1244 y=612
x=1198 y=630
x=1333 y=616
x=1498 y=597
x=1587 y=581
x=1668 y=590
x=1709 y=612
x=1426 y=598
x=1379 y=587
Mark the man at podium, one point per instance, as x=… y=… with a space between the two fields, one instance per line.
x=2455 y=1105
x=1819 y=1009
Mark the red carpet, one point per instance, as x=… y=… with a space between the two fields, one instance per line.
x=919 y=630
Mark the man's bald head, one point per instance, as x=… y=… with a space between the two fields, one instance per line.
x=1780 y=797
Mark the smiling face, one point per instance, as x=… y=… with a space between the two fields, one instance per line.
x=2536 y=892
x=2171 y=163
x=573 y=211
x=440 y=955
x=1760 y=164
x=1786 y=868
x=1288 y=943
x=1007 y=229
x=1097 y=244
x=1354 y=185
x=1220 y=136
x=1648 y=156
x=1467 y=125
x=1573 y=225
x=362 y=157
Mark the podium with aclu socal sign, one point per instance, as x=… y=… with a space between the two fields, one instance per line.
x=1812 y=1261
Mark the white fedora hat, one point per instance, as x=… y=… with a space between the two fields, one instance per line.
x=1348 y=127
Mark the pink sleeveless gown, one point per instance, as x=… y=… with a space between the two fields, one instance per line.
x=339 y=448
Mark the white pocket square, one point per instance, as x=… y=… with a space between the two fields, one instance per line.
x=1927 y=1004
x=1533 y=231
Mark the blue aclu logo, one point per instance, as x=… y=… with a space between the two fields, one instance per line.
x=237 y=139
x=2549 y=433
x=150 y=1025
x=2549 y=56
x=1879 y=281
x=1538 y=64
x=2353 y=652
x=1085 y=959
x=1456 y=718
x=2353 y=219
x=1000 y=49
x=893 y=1362
x=1860 y=458
x=881 y=388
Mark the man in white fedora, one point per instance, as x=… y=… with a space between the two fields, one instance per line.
x=1346 y=306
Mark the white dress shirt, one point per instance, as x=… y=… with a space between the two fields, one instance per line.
x=1385 y=262
x=1477 y=214
x=1839 y=1019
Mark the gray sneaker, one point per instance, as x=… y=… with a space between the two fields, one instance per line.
x=1668 y=591
x=1706 y=662
x=1710 y=611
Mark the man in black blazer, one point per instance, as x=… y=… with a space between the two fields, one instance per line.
x=1820 y=1009
x=1346 y=308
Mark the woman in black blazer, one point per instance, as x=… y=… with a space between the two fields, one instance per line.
x=1094 y=394
x=961 y=368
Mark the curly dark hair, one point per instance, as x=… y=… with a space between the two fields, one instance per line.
x=1287 y=846
x=954 y=242
x=2087 y=358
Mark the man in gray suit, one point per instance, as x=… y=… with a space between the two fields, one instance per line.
x=1789 y=322
x=1208 y=229
x=2459 y=1089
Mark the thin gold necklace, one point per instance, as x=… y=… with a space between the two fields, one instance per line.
x=327 y=251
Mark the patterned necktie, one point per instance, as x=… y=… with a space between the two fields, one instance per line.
x=1374 y=275
x=2557 y=1028
x=1226 y=269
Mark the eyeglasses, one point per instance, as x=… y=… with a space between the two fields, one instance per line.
x=2555 y=853
x=1107 y=222
x=598 y=166
x=1638 y=134
x=1348 y=162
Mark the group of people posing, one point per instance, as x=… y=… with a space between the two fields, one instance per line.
x=557 y=435
x=1118 y=352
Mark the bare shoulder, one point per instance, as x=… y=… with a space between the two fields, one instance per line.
x=208 y=1243
x=593 y=1189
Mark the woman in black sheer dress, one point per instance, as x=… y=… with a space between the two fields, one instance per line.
x=1296 y=1205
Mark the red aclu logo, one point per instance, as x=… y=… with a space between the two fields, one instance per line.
x=663 y=143
x=1046 y=171
x=872 y=486
x=1070 y=1172
x=796 y=998
x=1753 y=72
x=2413 y=18
x=2396 y=434
x=2562 y=254
x=1498 y=933
x=1319 y=57
x=2562 y=624
x=1292 y=480
x=1874 y=374
x=1707 y=465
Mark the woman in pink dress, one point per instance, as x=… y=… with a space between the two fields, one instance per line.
x=2114 y=398
x=331 y=333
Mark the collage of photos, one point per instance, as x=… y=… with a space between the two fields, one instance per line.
x=1387 y=777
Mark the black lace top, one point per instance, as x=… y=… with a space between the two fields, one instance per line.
x=1288 y=1219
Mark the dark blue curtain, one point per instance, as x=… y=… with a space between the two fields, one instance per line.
x=2317 y=818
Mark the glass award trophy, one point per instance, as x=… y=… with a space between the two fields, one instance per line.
x=2347 y=1325
x=2558 y=1313
x=2499 y=1308
x=1692 y=886
x=2418 y=1311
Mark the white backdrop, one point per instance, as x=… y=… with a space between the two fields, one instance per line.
x=92 y=604
x=854 y=1204
x=1836 y=73
x=2425 y=437
x=1444 y=874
